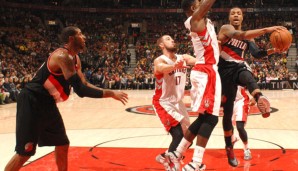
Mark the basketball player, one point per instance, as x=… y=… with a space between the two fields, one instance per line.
x=38 y=118
x=205 y=80
x=234 y=70
x=170 y=73
x=240 y=113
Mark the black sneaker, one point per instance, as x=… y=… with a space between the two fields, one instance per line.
x=231 y=157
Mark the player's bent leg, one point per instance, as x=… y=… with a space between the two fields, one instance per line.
x=177 y=134
x=16 y=162
x=61 y=156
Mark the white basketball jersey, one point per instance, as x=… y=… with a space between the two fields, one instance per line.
x=170 y=87
x=205 y=44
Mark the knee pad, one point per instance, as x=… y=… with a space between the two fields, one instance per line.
x=177 y=135
x=211 y=119
x=195 y=126
x=208 y=125
x=240 y=126
x=177 y=132
x=28 y=150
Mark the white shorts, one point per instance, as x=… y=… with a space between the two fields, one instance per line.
x=241 y=106
x=172 y=114
x=206 y=90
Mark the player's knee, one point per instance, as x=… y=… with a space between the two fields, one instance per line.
x=28 y=150
x=195 y=126
x=208 y=125
x=240 y=126
x=177 y=132
x=212 y=120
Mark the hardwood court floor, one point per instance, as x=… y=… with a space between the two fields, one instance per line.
x=107 y=122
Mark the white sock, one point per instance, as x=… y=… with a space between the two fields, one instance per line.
x=246 y=146
x=198 y=155
x=183 y=146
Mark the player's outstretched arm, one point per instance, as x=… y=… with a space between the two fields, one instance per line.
x=228 y=31
x=79 y=83
x=161 y=67
x=200 y=12
x=190 y=60
x=257 y=53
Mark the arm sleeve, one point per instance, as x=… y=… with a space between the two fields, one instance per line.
x=255 y=51
x=82 y=90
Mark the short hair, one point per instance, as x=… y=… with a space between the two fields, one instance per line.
x=66 y=32
x=234 y=8
x=159 y=40
x=186 y=4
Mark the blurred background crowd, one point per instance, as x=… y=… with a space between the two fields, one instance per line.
x=121 y=38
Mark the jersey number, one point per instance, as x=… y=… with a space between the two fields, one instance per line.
x=178 y=79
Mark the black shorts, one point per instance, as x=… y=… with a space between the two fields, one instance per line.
x=38 y=121
x=229 y=72
x=229 y=75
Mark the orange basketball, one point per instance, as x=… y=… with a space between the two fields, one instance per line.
x=281 y=39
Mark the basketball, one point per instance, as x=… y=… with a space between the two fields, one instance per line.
x=281 y=39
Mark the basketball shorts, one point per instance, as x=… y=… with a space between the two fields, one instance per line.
x=38 y=122
x=206 y=90
x=241 y=105
x=240 y=111
x=171 y=114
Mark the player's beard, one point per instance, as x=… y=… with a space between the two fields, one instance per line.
x=172 y=49
x=79 y=45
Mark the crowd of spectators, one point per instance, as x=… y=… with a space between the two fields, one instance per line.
x=157 y=3
x=26 y=40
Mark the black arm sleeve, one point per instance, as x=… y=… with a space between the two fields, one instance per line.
x=255 y=51
x=83 y=90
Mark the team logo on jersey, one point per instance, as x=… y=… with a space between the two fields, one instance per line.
x=207 y=104
x=206 y=40
x=148 y=110
x=238 y=43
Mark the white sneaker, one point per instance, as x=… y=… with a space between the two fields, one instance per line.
x=247 y=154
x=162 y=160
x=193 y=167
x=174 y=157
x=264 y=106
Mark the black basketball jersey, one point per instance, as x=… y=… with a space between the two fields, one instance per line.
x=233 y=52
x=48 y=83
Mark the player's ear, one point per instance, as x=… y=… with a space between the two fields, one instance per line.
x=70 y=38
x=161 y=45
x=192 y=7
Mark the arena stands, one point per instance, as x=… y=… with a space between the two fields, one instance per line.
x=121 y=38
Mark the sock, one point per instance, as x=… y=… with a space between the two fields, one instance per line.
x=245 y=146
x=183 y=146
x=198 y=155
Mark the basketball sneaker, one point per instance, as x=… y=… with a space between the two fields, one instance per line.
x=174 y=157
x=164 y=161
x=264 y=106
x=194 y=167
x=247 y=154
x=231 y=157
